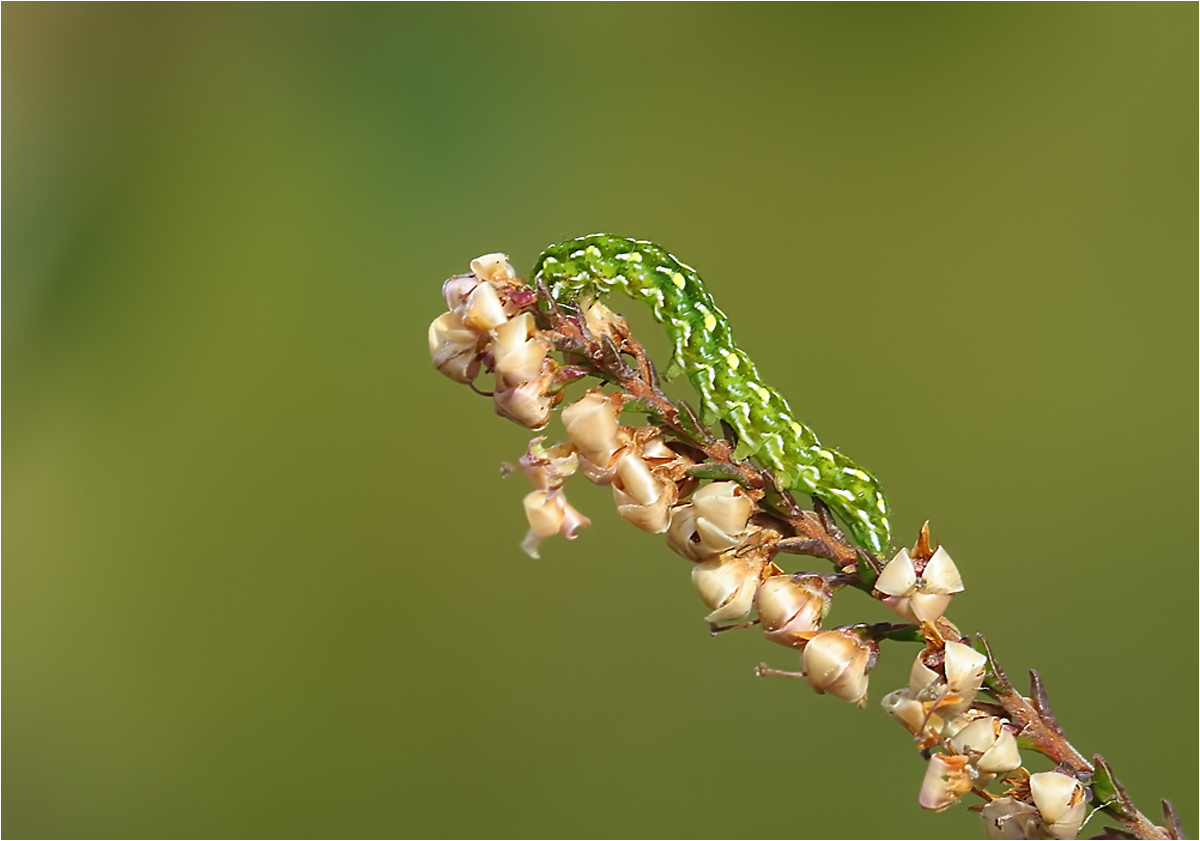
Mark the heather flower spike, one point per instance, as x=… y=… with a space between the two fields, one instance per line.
x=732 y=519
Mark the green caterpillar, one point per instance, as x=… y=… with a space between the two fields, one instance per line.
x=728 y=382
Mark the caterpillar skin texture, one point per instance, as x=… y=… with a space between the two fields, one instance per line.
x=728 y=382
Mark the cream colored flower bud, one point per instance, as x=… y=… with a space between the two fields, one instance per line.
x=965 y=671
x=714 y=522
x=548 y=513
x=682 y=536
x=727 y=585
x=518 y=350
x=484 y=310
x=591 y=424
x=656 y=448
x=958 y=722
x=1061 y=801
x=924 y=683
x=448 y=328
x=595 y=474
x=573 y=521
x=494 y=268
x=920 y=607
x=545 y=511
x=453 y=348
x=915 y=716
x=791 y=608
x=946 y=780
x=1005 y=817
x=526 y=403
x=898 y=576
x=641 y=497
x=601 y=321
x=725 y=507
x=941 y=574
x=992 y=748
x=905 y=709
x=952 y=693
x=636 y=481
x=456 y=289
x=924 y=597
x=649 y=518
x=549 y=467
x=837 y=662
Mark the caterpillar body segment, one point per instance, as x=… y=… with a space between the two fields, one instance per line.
x=725 y=377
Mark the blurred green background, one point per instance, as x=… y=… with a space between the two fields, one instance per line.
x=262 y=575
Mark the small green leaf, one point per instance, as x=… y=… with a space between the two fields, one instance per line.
x=866 y=570
x=1108 y=790
x=900 y=633
x=690 y=423
x=642 y=405
x=995 y=679
x=718 y=471
x=1102 y=784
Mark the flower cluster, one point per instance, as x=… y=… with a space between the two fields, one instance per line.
x=729 y=539
x=936 y=707
x=730 y=528
x=484 y=326
x=1053 y=805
